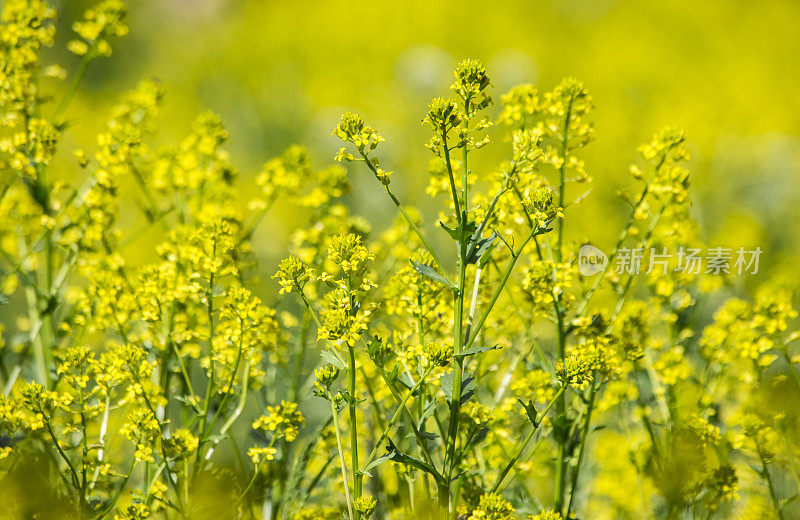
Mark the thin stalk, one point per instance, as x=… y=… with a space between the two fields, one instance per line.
x=210 y=386
x=506 y=275
x=229 y=386
x=341 y=458
x=521 y=447
x=410 y=418
x=561 y=461
x=239 y=408
x=351 y=382
x=75 y=84
x=448 y=163
x=409 y=220
x=73 y=473
x=562 y=402
x=302 y=341
x=765 y=475
x=584 y=434
x=253 y=478
x=623 y=235
x=458 y=369
x=397 y=414
x=113 y=502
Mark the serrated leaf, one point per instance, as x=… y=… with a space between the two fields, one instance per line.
x=406 y=380
x=463 y=231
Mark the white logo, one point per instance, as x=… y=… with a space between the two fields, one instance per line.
x=591 y=260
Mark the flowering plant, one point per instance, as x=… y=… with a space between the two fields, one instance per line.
x=463 y=370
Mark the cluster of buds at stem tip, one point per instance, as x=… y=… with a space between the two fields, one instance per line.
x=292 y=275
x=325 y=376
x=471 y=82
x=541 y=205
x=352 y=129
x=364 y=506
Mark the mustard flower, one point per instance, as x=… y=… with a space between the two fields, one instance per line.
x=104 y=20
x=353 y=129
x=284 y=420
x=258 y=454
x=492 y=506
x=135 y=511
x=292 y=275
x=442 y=115
x=520 y=104
x=325 y=377
x=365 y=506
x=436 y=353
x=471 y=82
x=548 y=514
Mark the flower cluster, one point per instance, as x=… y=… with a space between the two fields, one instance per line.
x=99 y=23
x=488 y=380
x=284 y=420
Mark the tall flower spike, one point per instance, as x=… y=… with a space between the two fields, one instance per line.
x=471 y=81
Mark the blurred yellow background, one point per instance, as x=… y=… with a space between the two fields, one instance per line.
x=282 y=72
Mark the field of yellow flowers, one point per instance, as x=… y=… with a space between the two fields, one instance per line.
x=481 y=361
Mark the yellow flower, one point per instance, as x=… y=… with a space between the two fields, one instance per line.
x=257 y=454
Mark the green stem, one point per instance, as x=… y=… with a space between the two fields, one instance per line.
x=76 y=83
x=227 y=392
x=765 y=475
x=48 y=427
x=448 y=163
x=458 y=369
x=410 y=418
x=521 y=447
x=409 y=220
x=351 y=380
x=397 y=414
x=506 y=275
x=584 y=434
x=562 y=402
x=341 y=457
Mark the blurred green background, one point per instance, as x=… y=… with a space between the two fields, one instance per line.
x=282 y=72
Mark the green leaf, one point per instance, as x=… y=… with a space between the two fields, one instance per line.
x=787 y=501
x=375 y=463
x=530 y=411
x=480 y=247
x=429 y=272
x=333 y=359
x=467 y=387
x=430 y=409
x=476 y=350
x=463 y=231
x=402 y=458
